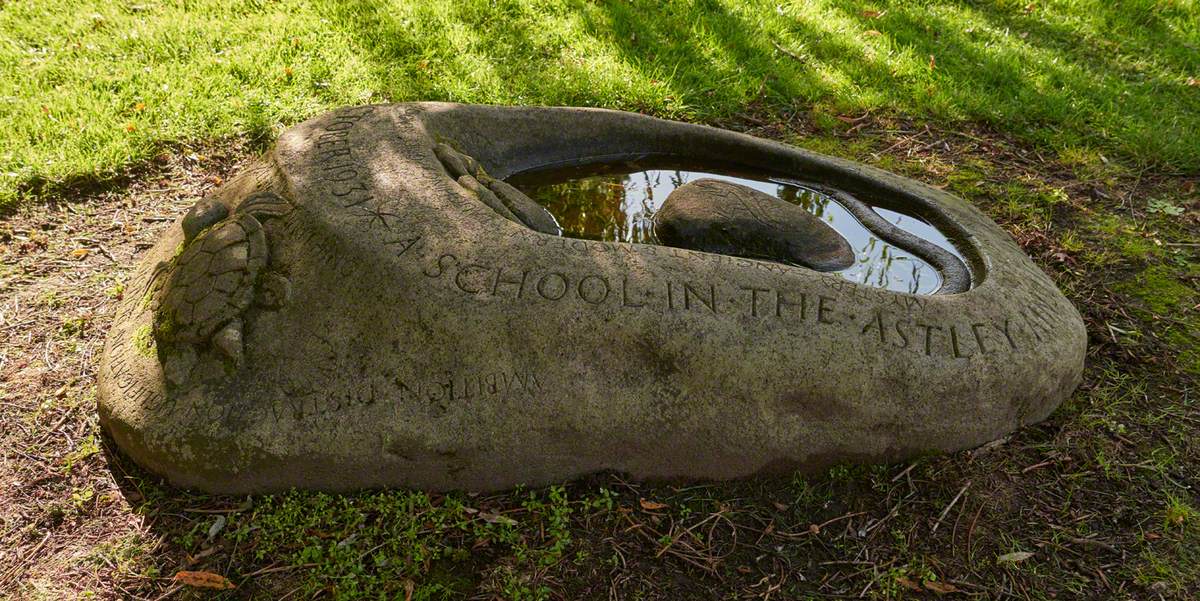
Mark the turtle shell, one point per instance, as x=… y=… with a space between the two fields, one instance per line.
x=213 y=280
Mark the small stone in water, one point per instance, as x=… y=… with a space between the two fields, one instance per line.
x=731 y=219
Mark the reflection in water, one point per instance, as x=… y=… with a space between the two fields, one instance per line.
x=620 y=207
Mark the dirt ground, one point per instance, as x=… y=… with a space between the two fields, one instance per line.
x=1098 y=502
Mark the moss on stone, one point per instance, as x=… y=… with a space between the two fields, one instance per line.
x=164 y=326
x=143 y=341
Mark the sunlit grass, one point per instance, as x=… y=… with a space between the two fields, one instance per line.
x=89 y=87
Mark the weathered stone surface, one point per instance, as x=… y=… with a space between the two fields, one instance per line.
x=425 y=339
x=731 y=219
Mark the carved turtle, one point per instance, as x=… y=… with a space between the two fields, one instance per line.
x=217 y=276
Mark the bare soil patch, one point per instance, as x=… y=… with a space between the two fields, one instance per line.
x=1100 y=501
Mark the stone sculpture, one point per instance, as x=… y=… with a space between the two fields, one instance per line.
x=216 y=277
x=372 y=305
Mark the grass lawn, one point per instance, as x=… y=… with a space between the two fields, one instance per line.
x=90 y=88
x=1074 y=124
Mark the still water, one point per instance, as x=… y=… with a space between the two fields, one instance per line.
x=619 y=205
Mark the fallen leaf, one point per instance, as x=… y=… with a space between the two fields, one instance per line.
x=129 y=127
x=941 y=588
x=1014 y=557
x=204 y=580
x=80 y=253
x=217 y=526
x=652 y=505
x=873 y=14
x=1192 y=81
x=780 y=506
x=495 y=518
x=908 y=584
x=872 y=33
x=1165 y=207
x=139 y=107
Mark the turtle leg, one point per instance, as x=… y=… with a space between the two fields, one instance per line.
x=274 y=291
x=228 y=340
x=178 y=364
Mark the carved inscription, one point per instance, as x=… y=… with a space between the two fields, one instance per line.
x=120 y=367
x=347 y=179
x=895 y=327
x=956 y=340
x=344 y=176
x=305 y=402
x=310 y=403
x=439 y=393
x=578 y=247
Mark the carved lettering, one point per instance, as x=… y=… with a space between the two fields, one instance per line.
x=929 y=336
x=549 y=290
x=690 y=292
x=500 y=279
x=754 y=292
x=954 y=343
x=593 y=289
x=890 y=325
x=467 y=387
x=782 y=302
x=625 y=301
x=824 y=309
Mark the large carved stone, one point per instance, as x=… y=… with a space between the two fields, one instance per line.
x=370 y=305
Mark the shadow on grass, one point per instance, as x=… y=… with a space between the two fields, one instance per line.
x=1018 y=70
x=1078 y=75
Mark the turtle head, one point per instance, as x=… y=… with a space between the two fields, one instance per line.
x=203 y=215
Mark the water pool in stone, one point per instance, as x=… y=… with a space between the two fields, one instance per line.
x=618 y=202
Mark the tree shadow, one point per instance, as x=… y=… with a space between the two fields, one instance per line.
x=711 y=59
